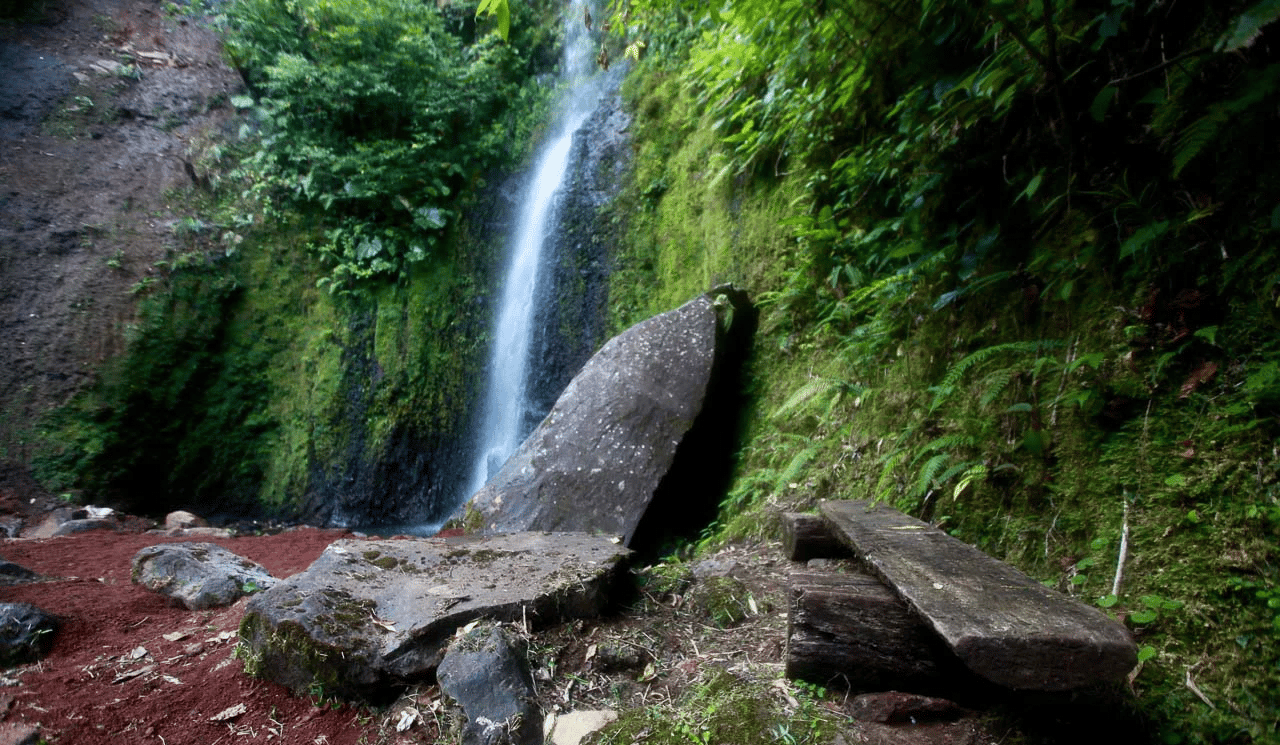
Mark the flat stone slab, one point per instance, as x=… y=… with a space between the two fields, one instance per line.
x=1002 y=624
x=369 y=616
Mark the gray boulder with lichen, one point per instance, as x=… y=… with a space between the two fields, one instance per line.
x=26 y=633
x=198 y=575
x=598 y=459
x=485 y=671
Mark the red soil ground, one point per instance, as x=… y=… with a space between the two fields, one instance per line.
x=128 y=666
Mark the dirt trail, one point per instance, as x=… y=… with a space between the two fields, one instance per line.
x=129 y=666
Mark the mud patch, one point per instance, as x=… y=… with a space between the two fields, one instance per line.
x=33 y=84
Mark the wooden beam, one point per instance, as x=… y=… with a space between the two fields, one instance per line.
x=1002 y=624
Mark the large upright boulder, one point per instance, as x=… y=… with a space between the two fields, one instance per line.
x=597 y=460
x=370 y=616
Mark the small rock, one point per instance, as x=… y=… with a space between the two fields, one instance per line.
x=485 y=671
x=55 y=519
x=715 y=568
x=11 y=526
x=26 y=633
x=106 y=67
x=198 y=575
x=619 y=657
x=893 y=707
x=229 y=713
x=181 y=519
x=18 y=733
x=571 y=728
x=14 y=574
x=85 y=525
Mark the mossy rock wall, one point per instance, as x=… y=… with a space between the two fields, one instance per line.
x=247 y=391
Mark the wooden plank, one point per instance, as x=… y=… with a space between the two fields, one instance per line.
x=806 y=536
x=1002 y=624
x=849 y=630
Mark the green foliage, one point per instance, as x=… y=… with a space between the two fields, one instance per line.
x=375 y=116
x=1028 y=291
x=500 y=10
x=722 y=707
x=130 y=438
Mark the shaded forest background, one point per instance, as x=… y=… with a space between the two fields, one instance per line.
x=1015 y=261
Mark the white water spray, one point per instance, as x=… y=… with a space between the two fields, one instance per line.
x=506 y=401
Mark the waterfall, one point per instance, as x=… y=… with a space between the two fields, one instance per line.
x=506 y=418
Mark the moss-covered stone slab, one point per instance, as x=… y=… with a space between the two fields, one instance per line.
x=596 y=460
x=368 y=617
x=1003 y=625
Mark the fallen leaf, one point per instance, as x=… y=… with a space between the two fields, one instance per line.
x=229 y=713
x=407 y=718
x=133 y=673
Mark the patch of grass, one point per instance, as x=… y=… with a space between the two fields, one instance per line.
x=722 y=707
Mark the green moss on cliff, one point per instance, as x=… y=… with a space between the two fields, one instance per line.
x=242 y=382
x=691 y=223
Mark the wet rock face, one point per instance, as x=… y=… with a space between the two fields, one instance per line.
x=598 y=459
x=198 y=575
x=573 y=298
x=370 y=616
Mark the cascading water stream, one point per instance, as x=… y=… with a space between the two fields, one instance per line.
x=504 y=423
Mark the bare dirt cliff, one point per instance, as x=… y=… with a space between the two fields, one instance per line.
x=101 y=102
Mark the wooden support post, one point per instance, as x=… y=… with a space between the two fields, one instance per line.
x=850 y=631
x=806 y=536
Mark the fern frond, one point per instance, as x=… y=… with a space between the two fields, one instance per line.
x=974 y=473
x=808 y=392
x=886 y=479
x=1201 y=132
x=793 y=469
x=1257 y=87
x=997 y=382
x=957 y=372
x=946 y=443
x=953 y=471
x=929 y=471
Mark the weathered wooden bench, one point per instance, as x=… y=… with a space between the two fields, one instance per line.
x=996 y=621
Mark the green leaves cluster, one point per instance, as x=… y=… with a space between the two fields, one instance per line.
x=379 y=116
